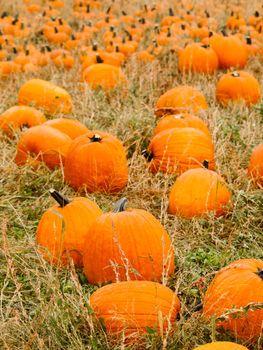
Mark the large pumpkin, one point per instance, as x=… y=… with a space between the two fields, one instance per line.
x=63 y=228
x=181 y=99
x=72 y=128
x=238 y=86
x=233 y=298
x=18 y=117
x=42 y=143
x=198 y=192
x=127 y=244
x=133 y=307
x=221 y=345
x=41 y=93
x=255 y=167
x=97 y=162
x=180 y=149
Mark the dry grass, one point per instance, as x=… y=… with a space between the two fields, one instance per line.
x=47 y=308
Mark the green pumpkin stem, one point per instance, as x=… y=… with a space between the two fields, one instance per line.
x=120 y=205
x=59 y=198
x=206 y=164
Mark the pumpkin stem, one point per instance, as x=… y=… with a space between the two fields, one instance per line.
x=62 y=201
x=256 y=14
x=206 y=164
x=260 y=273
x=95 y=138
x=99 y=59
x=171 y=13
x=120 y=205
x=147 y=155
x=249 y=40
x=235 y=74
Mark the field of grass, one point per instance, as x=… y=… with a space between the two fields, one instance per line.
x=43 y=307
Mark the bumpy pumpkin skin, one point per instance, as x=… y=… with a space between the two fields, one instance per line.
x=234 y=287
x=180 y=149
x=42 y=144
x=182 y=120
x=62 y=231
x=255 y=167
x=105 y=76
x=198 y=58
x=99 y=166
x=72 y=128
x=19 y=116
x=198 y=192
x=221 y=345
x=230 y=50
x=128 y=245
x=238 y=86
x=52 y=98
x=131 y=307
x=181 y=99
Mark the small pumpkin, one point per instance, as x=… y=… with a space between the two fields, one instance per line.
x=179 y=149
x=63 y=228
x=182 y=120
x=221 y=345
x=197 y=192
x=42 y=143
x=239 y=86
x=181 y=99
x=255 y=167
x=44 y=94
x=134 y=307
x=72 y=128
x=105 y=76
x=96 y=162
x=231 y=296
x=18 y=117
x=127 y=244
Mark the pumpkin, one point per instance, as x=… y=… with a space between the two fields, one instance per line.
x=63 y=228
x=96 y=162
x=230 y=50
x=42 y=143
x=198 y=58
x=44 y=94
x=231 y=296
x=255 y=167
x=181 y=99
x=135 y=306
x=127 y=244
x=183 y=120
x=198 y=192
x=179 y=149
x=105 y=76
x=238 y=86
x=221 y=345
x=18 y=117
x=72 y=128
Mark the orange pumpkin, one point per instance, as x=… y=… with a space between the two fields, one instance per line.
x=198 y=58
x=183 y=120
x=133 y=307
x=136 y=246
x=198 y=192
x=181 y=99
x=42 y=143
x=96 y=162
x=44 y=94
x=105 y=76
x=239 y=86
x=63 y=228
x=255 y=167
x=180 y=149
x=221 y=345
x=72 y=128
x=18 y=117
x=233 y=297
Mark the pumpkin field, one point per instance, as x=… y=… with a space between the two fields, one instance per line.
x=131 y=175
